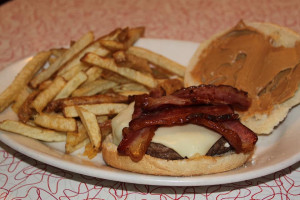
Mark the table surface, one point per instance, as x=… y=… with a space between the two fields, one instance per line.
x=29 y=26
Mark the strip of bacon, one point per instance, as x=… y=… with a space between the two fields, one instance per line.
x=203 y=94
x=135 y=143
x=179 y=116
x=230 y=135
x=248 y=137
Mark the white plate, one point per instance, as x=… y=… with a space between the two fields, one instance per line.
x=274 y=152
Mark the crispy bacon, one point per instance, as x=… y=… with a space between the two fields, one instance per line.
x=135 y=143
x=247 y=136
x=203 y=94
x=179 y=116
x=207 y=106
x=231 y=136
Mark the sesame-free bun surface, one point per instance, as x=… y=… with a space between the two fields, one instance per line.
x=185 y=167
x=266 y=122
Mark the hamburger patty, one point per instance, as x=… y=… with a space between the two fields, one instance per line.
x=160 y=151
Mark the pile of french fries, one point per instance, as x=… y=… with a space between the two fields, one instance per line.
x=71 y=94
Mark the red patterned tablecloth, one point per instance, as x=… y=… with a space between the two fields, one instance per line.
x=28 y=26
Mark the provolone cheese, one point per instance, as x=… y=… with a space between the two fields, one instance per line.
x=186 y=140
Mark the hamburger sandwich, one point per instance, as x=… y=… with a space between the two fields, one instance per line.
x=193 y=131
x=215 y=133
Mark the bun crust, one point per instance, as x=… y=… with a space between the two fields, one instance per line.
x=259 y=123
x=186 y=167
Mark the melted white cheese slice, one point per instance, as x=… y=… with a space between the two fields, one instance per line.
x=187 y=140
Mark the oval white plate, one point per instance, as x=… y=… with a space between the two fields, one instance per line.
x=274 y=152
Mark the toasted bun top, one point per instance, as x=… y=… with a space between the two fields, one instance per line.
x=262 y=120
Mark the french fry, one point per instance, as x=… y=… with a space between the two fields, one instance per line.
x=71 y=148
x=130 y=87
x=101 y=118
x=10 y=94
x=109 y=64
x=45 y=84
x=93 y=88
x=158 y=60
x=93 y=73
x=133 y=35
x=71 y=85
x=55 y=122
x=78 y=139
x=59 y=104
x=95 y=47
x=128 y=60
x=32 y=132
x=73 y=50
x=112 y=45
x=90 y=151
x=57 y=52
x=112 y=76
x=26 y=112
x=97 y=109
x=68 y=75
x=112 y=35
x=170 y=85
x=90 y=123
x=105 y=128
x=131 y=93
x=43 y=98
x=21 y=98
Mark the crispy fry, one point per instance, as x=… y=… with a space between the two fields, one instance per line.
x=78 y=139
x=57 y=52
x=32 y=132
x=45 y=84
x=55 y=122
x=133 y=35
x=73 y=50
x=112 y=45
x=105 y=128
x=59 y=104
x=90 y=151
x=130 y=87
x=26 y=112
x=10 y=94
x=68 y=75
x=71 y=148
x=71 y=85
x=21 y=98
x=95 y=47
x=128 y=60
x=90 y=123
x=158 y=60
x=170 y=85
x=93 y=88
x=43 y=98
x=97 y=109
x=109 y=64
x=112 y=76
x=112 y=35
x=101 y=118
x=93 y=73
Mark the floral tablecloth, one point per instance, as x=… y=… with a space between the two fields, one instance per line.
x=28 y=26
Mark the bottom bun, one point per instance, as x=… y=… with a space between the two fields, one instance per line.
x=185 y=167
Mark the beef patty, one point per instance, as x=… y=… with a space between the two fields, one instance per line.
x=160 y=151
